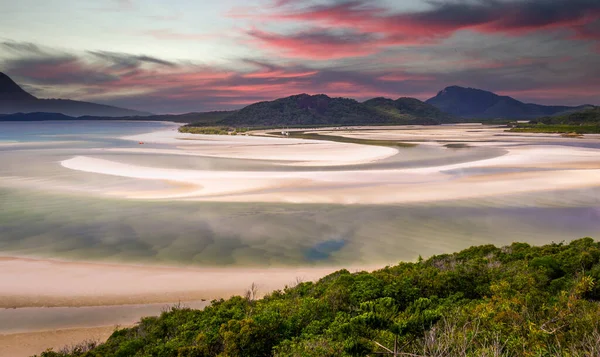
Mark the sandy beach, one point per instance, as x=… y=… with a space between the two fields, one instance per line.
x=31 y=343
x=571 y=167
x=37 y=295
x=28 y=282
x=487 y=164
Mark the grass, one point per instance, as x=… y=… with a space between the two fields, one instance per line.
x=343 y=139
x=457 y=146
x=211 y=130
x=573 y=130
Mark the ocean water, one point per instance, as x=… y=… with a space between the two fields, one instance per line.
x=49 y=211
x=89 y=130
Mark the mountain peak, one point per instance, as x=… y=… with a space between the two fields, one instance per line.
x=14 y=99
x=478 y=103
x=458 y=89
x=454 y=88
x=9 y=90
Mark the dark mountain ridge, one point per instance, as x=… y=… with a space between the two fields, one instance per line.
x=9 y=90
x=13 y=99
x=408 y=108
x=320 y=109
x=452 y=104
x=477 y=103
x=207 y=117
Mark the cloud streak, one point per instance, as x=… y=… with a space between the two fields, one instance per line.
x=361 y=27
x=318 y=44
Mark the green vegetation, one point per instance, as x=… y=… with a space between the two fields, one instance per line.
x=556 y=129
x=583 y=122
x=211 y=130
x=205 y=118
x=457 y=146
x=517 y=300
x=409 y=110
x=343 y=139
x=305 y=110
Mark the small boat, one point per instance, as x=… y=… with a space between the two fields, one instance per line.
x=141 y=143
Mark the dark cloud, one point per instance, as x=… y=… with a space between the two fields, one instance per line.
x=319 y=43
x=508 y=15
x=444 y=18
x=21 y=47
x=124 y=60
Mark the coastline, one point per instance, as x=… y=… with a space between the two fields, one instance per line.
x=30 y=282
x=31 y=343
x=523 y=166
x=571 y=167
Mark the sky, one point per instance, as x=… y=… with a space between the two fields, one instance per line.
x=176 y=56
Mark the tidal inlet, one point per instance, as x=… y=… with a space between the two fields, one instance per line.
x=307 y=178
x=120 y=219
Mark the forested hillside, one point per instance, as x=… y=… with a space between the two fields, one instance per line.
x=320 y=110
x=582 y=122
x=517 y=300
x=410 y=109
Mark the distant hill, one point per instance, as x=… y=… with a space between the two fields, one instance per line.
x=408 y=109
x=571 y=124
x=35 y=117
x=307 y=110
x=585 y=117
x=477 y=103
x=207 y=118
x=13 y=99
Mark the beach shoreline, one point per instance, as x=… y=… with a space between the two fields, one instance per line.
x=574 y=168
x=35 y=282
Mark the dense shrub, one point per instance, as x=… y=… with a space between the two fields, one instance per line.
x=517 y=300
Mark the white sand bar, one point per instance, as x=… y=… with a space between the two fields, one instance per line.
x=537 y=164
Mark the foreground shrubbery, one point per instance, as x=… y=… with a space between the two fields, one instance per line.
x=484 y=301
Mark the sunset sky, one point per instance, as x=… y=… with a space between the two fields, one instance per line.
x=173 y=56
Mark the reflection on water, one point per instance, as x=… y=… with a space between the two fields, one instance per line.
x=323 y=250
x=73 y=224
x=210 y=234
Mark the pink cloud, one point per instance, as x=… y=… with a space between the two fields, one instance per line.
x=316 y=44
x=378 y=27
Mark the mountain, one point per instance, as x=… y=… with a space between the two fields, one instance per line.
x=9 y=90
x=34 y=117
x=408 y=109
x=302 y=109
x=308 y=110
x=206 y=118
x=477 y=103
x=13 y=99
